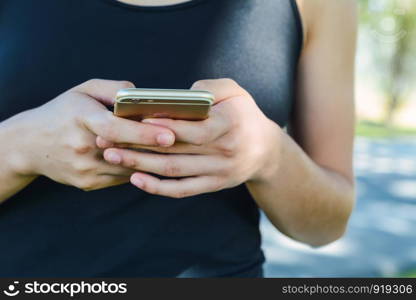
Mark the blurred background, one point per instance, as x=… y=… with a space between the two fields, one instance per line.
x=381 y=239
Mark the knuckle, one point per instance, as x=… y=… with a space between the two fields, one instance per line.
x=229 y=81
x=86 y=184
x=198 y=141
x=131 y=163
x=143 y=137
x=80 y=145
x=227 y=148
x=202 y=138
x=199 y=84
x=180 y=194
x=219 y=184
x=125 y=84
x=231 y=122
x=228 y=169
x=171 y=169
x=82 y=148
x=88 y=189
x=102 y=123
x=106 y=117
x=108 y=132
x=109 y=116
x=82 y=168
x=93 y=81
x=152 y=189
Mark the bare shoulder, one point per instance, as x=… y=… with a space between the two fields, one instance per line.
x=332 y=14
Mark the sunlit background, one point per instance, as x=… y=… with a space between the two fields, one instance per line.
x=381 y=239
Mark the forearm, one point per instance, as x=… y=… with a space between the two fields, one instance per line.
x=11 y=163
x=302 y=199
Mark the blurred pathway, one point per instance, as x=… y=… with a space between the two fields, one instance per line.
x=381 y=240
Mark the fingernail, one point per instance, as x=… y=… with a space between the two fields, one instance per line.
x=112 y=157
x=150 y=121
x=165 y=139
x=135 y=180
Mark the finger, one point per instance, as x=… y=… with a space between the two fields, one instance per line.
x=102 y=90
x=102 y=143
x=177 y=148
x=119 y=130
x=195 y=132
x=105 y=168
x=218 y=123
x=164 y=165
x=105 y=181
x=175 y=188
x=222 y=89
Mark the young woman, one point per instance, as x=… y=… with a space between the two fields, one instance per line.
x=75 y=203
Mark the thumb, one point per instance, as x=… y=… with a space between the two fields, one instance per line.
x=102 y=90
x=222 y=89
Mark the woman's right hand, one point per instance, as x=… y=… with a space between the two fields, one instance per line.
x=58 y=139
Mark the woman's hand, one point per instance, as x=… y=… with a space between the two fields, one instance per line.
x=232 y=146
x=58 y=139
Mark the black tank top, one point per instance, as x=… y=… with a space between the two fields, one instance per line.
x=49 y=46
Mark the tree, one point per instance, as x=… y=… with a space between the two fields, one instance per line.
x=391 y=26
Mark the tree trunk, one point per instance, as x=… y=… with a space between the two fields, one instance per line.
x=391 y=109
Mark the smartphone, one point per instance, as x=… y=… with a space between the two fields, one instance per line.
x=138 y=104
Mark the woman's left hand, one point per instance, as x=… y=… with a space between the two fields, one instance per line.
x=236 y=144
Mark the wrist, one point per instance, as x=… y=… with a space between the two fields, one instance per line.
x=15 y=157
x=270 y=161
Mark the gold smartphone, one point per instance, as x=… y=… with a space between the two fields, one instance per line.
x=138 y=104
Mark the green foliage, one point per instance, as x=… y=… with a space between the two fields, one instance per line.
x=377 y=130
x=390 y=30
x=410 y=274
